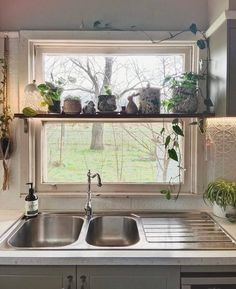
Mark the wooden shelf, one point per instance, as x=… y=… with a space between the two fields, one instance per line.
x=115 y=116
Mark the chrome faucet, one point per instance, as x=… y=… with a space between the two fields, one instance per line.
x=88 y=205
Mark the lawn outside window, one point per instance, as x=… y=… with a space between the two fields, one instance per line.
x=129 y=154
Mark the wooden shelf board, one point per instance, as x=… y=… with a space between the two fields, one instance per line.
x=115 y=116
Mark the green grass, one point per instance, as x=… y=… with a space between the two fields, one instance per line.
x=133 y=165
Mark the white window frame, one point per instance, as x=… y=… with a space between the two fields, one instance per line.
x=35 y=43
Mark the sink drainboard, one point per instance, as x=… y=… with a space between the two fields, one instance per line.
x=186 y=231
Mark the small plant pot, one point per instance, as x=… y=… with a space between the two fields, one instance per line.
x=72 y=106
x=187 y=100
x=149 y=100
x=106 y=103
x=56 y=107
x=221 y=213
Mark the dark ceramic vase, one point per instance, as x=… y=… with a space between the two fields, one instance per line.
x=56 y=107
x=106 y=103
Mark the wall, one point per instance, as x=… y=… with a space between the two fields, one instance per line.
x=232 y=4
x=221 y=148
x=216 y=7
x=66 y=15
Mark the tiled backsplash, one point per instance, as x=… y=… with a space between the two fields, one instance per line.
x=221 y=148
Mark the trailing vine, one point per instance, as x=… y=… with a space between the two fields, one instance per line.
x=172 y=146
x=171 y=141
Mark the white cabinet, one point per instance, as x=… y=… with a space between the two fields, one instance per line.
x=223 y=69
x=128 y=277
x=89 y=277
x=37 y=277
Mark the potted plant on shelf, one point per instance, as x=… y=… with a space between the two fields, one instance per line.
x=221 y=195
x=107 y=101
x=72 y=105
x=51 y=94
x=184 y=92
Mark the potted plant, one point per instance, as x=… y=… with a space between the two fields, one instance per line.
x=221 y=194
x=184 y=92
x=51 y=94
x=107 y=101
x=72 y=105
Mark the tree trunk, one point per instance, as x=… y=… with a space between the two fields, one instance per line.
x=97 y=130
x=97 y=137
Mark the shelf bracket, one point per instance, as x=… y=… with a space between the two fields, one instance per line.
x=26 y=125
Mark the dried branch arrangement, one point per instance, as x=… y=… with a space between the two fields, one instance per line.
x=5 y=116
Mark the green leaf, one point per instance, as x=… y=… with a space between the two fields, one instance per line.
x=201 y=43
x=48 y=100
x=201 y=126
x=167 y=194
x=193 y=123
x=178 y=130
x=175 y=121
x=167 y=79
x=162 y=130
x=193 y=28
x=173 y=154
x=167 y=141
x=28 y=111
x=176 y=144
x=42 y=87
x=96 y=24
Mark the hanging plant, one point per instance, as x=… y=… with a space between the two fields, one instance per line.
x=172 y=142
x=5 y=117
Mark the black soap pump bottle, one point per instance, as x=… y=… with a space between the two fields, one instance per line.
x=31 y=202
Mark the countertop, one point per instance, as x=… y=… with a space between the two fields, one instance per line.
x=114 y=257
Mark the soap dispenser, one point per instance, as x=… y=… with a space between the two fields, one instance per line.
x=31 y=202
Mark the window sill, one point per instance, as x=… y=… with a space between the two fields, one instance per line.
x=115 y=115
x=108 y=195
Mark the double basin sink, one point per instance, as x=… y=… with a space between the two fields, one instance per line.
x=160 y=231
x=71 y=231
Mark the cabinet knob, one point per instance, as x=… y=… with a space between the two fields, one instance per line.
x=70 y=281
x=83 y=281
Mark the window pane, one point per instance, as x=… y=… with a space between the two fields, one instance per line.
x=121 y=152
x=85 y=76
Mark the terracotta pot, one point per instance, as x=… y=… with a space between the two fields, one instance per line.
x=72 y=106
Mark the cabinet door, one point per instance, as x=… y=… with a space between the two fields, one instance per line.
x=37 y=277
x=127 y=277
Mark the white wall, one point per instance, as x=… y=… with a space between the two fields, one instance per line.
x=215 y=8
x=61 y=14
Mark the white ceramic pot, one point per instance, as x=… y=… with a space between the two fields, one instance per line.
x=221 y=213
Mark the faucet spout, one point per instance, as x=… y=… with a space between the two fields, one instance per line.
x=88 y=205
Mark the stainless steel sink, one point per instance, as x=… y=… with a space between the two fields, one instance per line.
x=124 y=231
x=112 y=231
x=53 y=230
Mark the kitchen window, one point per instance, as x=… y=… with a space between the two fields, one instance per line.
x=129 y=155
